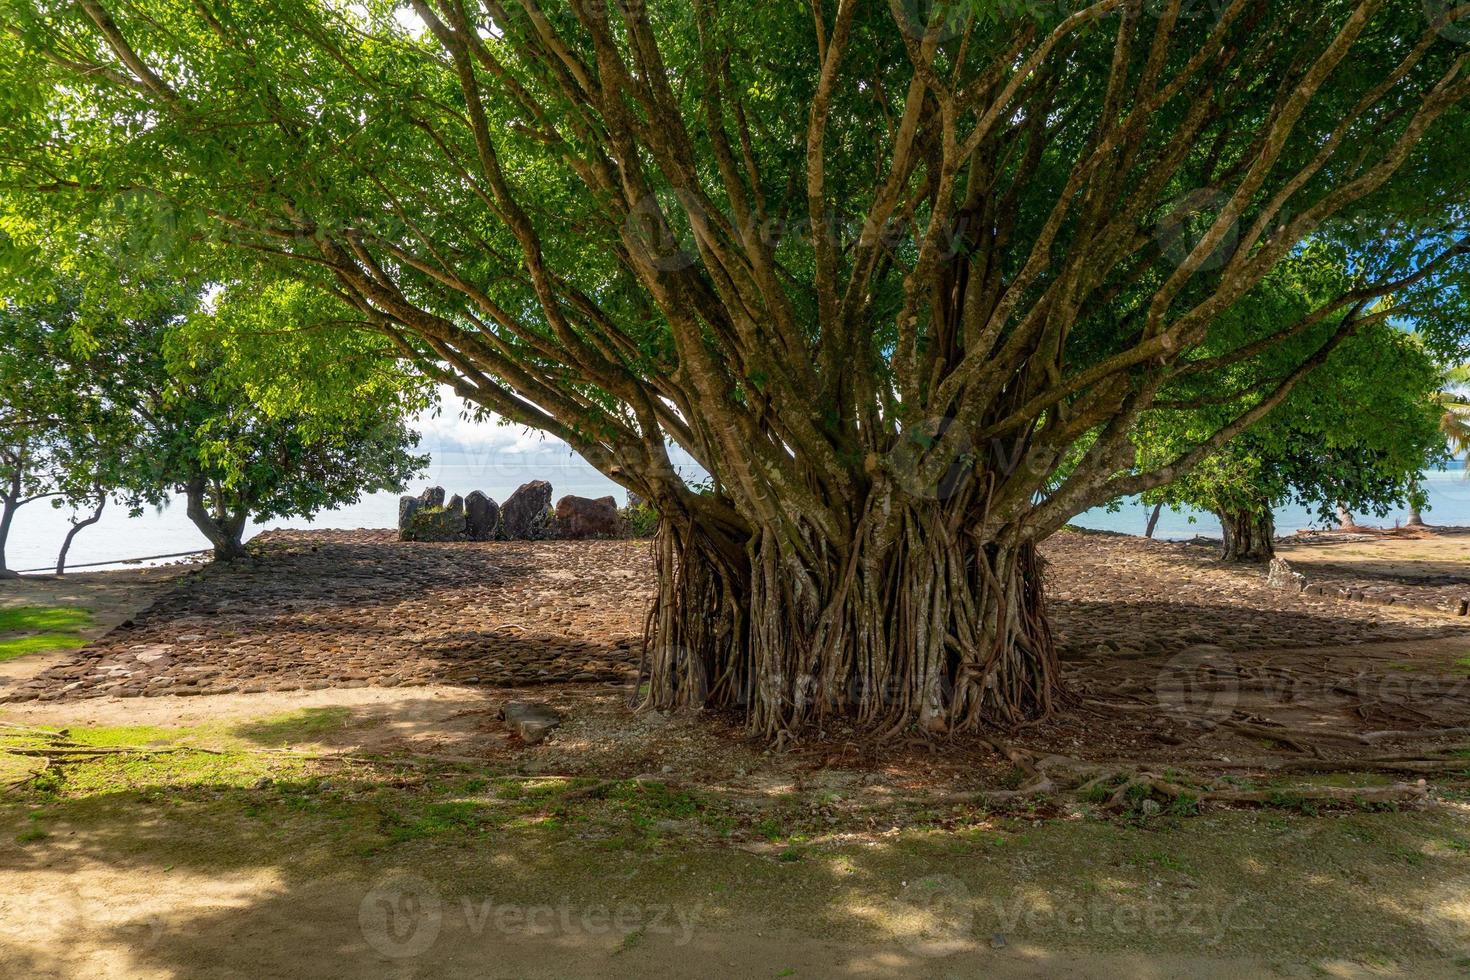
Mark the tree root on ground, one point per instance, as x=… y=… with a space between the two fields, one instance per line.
x=1414 y=793
x=1120 y=788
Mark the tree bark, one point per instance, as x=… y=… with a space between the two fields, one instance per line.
x=924 y=624
x=1153 y=520
x=224 y=532
x=7 y=515
x=1248 y=537
x=76 y=527
x=1345 y=519
x=9 y=504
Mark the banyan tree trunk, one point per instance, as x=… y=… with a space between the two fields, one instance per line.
x=1248 y=536
x=923 y=623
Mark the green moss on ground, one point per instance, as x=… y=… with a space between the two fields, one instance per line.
x=41 y=629
x=296 y=727
x=15 y=619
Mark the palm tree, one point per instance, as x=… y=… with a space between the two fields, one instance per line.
x=1454 y=423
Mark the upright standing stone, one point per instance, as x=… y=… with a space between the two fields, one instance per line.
x=579 y=517
x=432 y=497
x=481 y=516
x=526 y=514
x=437 y=525
x=407 y=507
x=455 y=505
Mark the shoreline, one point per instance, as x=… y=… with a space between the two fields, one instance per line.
x=1331 y=535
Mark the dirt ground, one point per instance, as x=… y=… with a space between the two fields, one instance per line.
x=401 y=830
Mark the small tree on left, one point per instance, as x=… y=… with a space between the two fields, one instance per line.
x=64 y=435
x=137 y=393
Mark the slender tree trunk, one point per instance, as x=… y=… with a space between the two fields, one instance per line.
x=9 y=504
x=1416 y=519
x=1345 y=519
x=7 y=515
x=223 y=533
x=1153 y=520
x=1247 y=536
x=76 y=527
x=924 y=623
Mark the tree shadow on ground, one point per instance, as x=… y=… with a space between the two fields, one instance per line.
x=439 y=879
x=1167 y=627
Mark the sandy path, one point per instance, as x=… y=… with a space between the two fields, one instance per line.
x=98 y=922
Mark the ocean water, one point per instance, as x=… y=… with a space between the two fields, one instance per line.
x=39 y=528
x=1449 y=505
x=499 y=464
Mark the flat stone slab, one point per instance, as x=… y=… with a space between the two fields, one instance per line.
x=531 y=720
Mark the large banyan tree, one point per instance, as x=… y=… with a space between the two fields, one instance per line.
x=900 y=275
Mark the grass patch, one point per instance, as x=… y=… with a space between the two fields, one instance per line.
x=32 y=619
x=306 y=725
x=160 y=760
x=20 y=646
x=120 y=736
x=41 y=629
x=460 y=817
x=630 y=940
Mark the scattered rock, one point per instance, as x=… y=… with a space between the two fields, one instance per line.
x=481 y=516
x=526 y=515
x=531 y=720
x=581 y=517
x=1280 y=576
